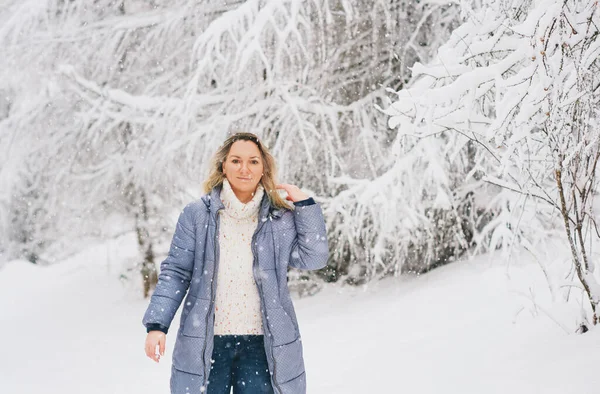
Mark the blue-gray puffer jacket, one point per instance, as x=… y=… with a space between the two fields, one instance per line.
x=283 y=237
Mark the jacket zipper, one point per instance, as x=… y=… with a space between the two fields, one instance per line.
x=212 y=296
x=259 y=285
x=258 y=282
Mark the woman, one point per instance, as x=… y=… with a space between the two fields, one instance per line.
x=231 y=249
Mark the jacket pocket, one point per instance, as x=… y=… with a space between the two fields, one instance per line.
x=281 y=327
x=187 y=355
x=289 y=361
x=195 y=322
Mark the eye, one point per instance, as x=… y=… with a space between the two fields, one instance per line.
x=254 y=161
x=234 y=160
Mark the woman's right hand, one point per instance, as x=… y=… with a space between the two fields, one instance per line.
x=155 y=338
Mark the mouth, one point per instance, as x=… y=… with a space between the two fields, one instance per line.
x=245 y=179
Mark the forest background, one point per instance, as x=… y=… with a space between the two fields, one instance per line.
x=429 y=131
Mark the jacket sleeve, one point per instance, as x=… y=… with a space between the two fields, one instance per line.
x=310 y=250
x=175 y=275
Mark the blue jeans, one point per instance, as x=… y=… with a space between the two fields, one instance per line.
x=239 y=362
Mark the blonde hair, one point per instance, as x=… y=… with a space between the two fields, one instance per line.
x=268 y=179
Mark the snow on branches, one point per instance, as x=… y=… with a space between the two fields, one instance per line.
x=137 y=95
x=522 y=81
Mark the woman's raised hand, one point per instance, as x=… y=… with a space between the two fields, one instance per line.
x=293 y=192
x=152 y=339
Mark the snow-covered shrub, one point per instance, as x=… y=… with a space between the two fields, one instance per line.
x=521 y=80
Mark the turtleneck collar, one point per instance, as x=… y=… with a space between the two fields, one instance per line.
x=237 y=209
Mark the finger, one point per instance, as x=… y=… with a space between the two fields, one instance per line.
x=152 y=355
x=156 y=354
x=161 y=345
x=151 y=350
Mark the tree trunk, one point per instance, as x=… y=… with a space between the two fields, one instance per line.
x=574 y=253
x=148 y=269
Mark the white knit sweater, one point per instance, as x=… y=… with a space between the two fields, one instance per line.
x=237 y=303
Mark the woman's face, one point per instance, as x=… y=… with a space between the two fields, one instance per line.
x=243 y=167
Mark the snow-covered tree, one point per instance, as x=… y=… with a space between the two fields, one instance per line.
x=521 y=81
x=138 y=94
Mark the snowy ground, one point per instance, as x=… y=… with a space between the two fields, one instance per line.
x=76 y=328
